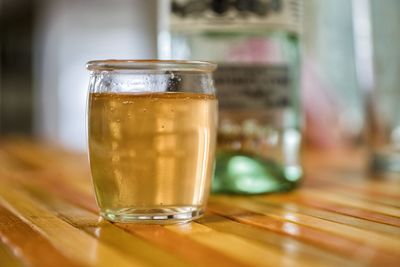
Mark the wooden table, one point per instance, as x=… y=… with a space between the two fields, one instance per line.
x=48 y=217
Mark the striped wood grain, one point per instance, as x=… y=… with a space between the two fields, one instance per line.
x=48 y=217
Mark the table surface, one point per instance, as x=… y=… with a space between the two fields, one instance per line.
x=338 y=217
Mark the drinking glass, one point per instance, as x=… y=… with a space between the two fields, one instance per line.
x=378 y=67
x=151 y=135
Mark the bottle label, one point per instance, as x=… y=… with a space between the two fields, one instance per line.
x=201 y=15
x=252 y=87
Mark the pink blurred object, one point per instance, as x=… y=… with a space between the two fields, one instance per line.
x=256 y=50
x=321 y=109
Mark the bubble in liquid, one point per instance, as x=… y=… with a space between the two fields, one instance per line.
x=153 y=98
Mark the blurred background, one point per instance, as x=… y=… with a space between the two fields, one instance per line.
x=45 y=44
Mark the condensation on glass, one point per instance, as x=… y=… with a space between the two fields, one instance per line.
x=151 y=136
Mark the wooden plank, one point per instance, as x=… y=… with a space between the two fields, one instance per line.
x=29 y=244
x=337 y=218
x=388 y=243
x=241 y=249
x=391 y=187
x=12 y=150
x=360 y=195
x=348 y=248
x=38 y=155
x=57 y=185
x=7 y=163
x=36 y=158
x=7 y=258
x=329 y=216
x=196 y=253
x=344 y=200
x=322 y=204
x=286 y=244
x=70 y=241
x=186 y=249
x=107 y=232
x=364 y=182
x=81 y=216
x=61 y=210
x=355 y=182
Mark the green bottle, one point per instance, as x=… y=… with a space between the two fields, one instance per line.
x=256 y=46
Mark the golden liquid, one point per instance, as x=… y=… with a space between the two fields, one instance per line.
x=151 y=151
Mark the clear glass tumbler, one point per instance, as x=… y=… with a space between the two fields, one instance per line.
x=151 y=135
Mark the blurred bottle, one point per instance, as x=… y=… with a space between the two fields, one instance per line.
x=378 y=65
x=256 y=46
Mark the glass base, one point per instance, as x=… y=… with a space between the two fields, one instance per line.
x=167 y=215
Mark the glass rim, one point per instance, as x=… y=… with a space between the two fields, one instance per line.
x=151 y=65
